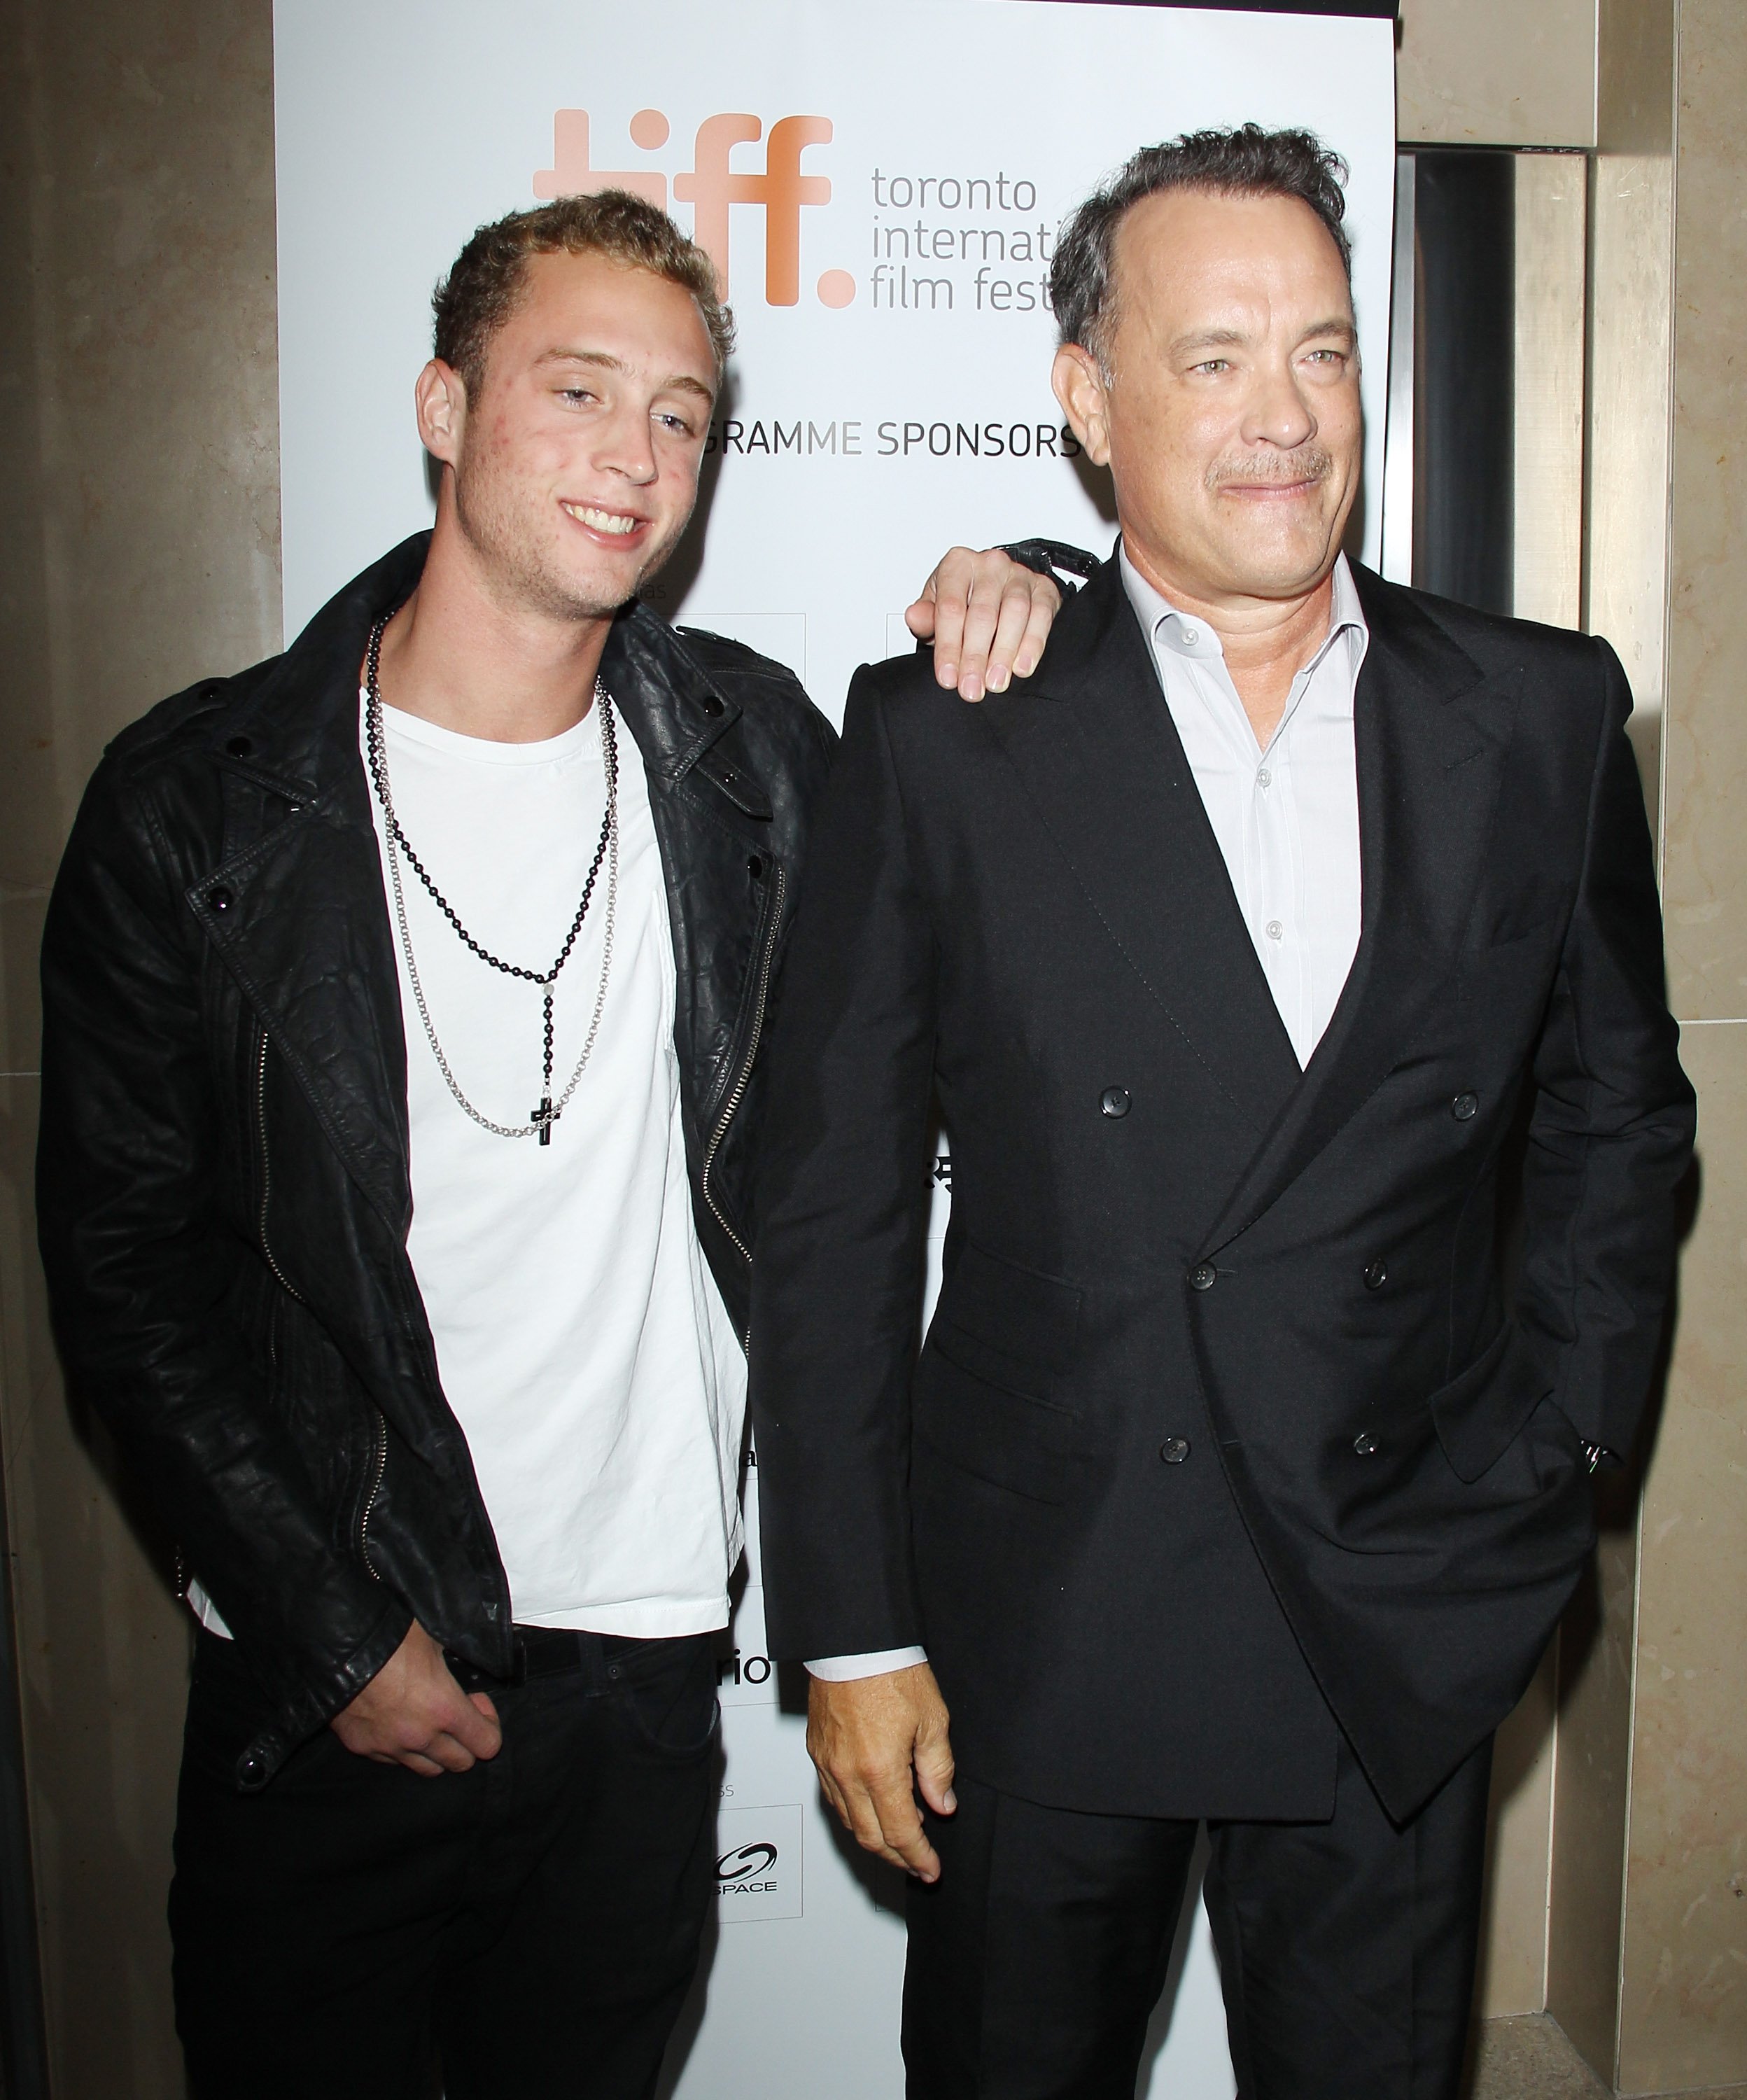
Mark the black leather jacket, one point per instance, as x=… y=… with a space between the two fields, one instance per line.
x=223 y=1173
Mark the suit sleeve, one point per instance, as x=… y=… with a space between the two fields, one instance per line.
x=142 y=1269
x=1612 y=1123
x=843 y=1212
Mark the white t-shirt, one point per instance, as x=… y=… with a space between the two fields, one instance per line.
x=580 y=1338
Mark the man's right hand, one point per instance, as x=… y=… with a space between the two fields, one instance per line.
x=412 y=1713
x=868 y=1737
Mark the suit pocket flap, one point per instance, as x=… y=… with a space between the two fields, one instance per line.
x=1479 y=1414
x=971 y=1415
x=1028 y=1316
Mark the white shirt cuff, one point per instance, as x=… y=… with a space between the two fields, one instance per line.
x=845 y=1669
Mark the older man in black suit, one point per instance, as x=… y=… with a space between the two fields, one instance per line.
x=1284 y=931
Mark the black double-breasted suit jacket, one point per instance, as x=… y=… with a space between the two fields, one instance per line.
x=1234 y=1427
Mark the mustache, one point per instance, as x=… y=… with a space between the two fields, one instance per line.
x=1305 y=463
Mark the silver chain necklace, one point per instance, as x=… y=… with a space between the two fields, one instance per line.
x=397 y=844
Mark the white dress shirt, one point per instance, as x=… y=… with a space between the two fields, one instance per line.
x=1286 y=819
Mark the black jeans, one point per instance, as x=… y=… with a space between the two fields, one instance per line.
x=524 y=1930
x=1346 y=1948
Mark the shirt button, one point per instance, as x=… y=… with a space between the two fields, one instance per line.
x=1174 y=1451
x=1264 y=778
x=1201 y=1278
x=1376 y=1275
x=1114 y=1101
x=1364 y=1444
x=1274 y=930
x=1465 y=1107
x=1191 y=636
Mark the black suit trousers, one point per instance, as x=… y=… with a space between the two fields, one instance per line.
x=1346 y=1948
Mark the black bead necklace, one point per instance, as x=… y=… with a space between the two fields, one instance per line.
x=606 y=852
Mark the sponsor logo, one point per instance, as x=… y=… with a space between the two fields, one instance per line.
x=750 y=1861
x=735 y=1668
x=758 y=1870
x=977 y=244
x=781 y=189
x=745 y=1674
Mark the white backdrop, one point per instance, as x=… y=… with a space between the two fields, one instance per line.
x=883 y=184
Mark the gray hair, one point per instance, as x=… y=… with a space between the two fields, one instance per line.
x=1247 y=161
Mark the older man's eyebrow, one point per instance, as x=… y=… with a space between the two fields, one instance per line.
x=685 y=382
x=1340 y=325
x=1212 y=339
x=1208 y=339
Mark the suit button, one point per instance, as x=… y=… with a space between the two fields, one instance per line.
x=251 y=1769
x=220 y=899
x=1364 y=1444
x=1465 y=1107
x=1174 y=1451
x=1202 y=1276
x=1114 y=1100
x=239 y=747
x=1376 y=1275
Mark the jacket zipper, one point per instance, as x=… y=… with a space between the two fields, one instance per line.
x=376 y=1489
x=737 y=1093
x=266 y=1172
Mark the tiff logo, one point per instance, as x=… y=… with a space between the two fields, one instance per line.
x=712 y=187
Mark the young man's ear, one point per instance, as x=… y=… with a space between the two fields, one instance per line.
x=1079 y=387
x=439 y=401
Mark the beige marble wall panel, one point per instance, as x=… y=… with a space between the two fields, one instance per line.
x=1630 y=384
x=1512 y=1972
x=1496 y=73
x=145 y=153
x=102 y=1655
x=1683 y=2006
x=138 y=549
x=1635 y=76
x=1587 y=1889
x=1552 y=217
x=1704 y=765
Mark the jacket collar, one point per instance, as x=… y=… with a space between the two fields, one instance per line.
x=298 y=730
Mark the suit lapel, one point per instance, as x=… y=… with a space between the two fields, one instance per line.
x=1431 y=734
x=1095 y=745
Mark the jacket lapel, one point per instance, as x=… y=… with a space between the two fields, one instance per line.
x=1431 y=734
x=303 y=924
x=1093 y=742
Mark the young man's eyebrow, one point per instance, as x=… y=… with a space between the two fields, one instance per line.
x=684 y=382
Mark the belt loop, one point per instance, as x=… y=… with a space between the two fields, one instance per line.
x=518 y=1658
